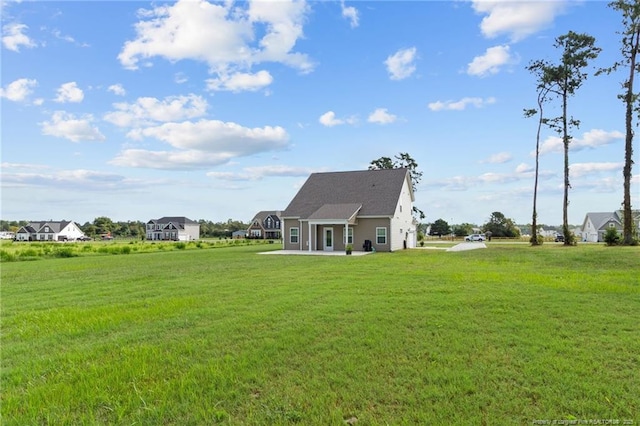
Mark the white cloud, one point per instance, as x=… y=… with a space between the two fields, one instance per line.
x=329 y=119
x=524 y=168
x=117 y=89
x=65 y=125
x=596 y=138
x=499 y=158
x=381 y=116
x=78 y=178
x=218 y=136
x=69 y=92
x=490 y=63
x=13 y=37
x=18 y=90
x=550 y=144
x=461 y=104
x=169 y=160
x=498 y=178
x=202 y=144
x=222 y=35
x=149 y=110
x=180 y=78
x=463 y=183
x=582 y=169
x=240 y=81
x=517 y=19
x=58 y=34
x=401 y=64
x=591 y=139
x=258 y=173
x=350 y=13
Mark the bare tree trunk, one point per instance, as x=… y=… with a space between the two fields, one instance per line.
x=534 y=218
x=565 y=201
x=627 y=225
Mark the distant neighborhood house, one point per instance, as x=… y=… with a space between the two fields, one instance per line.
x=173 y=228
x=240 y=233
x=50 y=231
x=265 y=225
x=367 y=209
x=596 y=224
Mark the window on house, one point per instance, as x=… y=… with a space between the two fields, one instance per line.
x=381 y=235
x=612 y=225
x=349 y=239
x=293 y=235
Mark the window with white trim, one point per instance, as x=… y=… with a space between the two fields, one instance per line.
x=293 y=235
x=349 y=239
x=381 y=235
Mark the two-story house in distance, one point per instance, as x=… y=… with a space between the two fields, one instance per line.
x=172 y=228
x=265 y=225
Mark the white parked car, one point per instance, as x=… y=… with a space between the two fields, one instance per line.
x=475 y=237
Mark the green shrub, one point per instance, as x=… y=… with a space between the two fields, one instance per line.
x=64 y=252
x=5 y=256
x=539 y=240
x=611 y=237
x=181 y=246
x=30 y=252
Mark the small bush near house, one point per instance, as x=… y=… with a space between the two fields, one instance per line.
x=611 y=237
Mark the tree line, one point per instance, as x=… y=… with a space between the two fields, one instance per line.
x=498 y=225
x=136 y=229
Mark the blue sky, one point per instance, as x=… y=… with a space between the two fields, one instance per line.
x=137 y=110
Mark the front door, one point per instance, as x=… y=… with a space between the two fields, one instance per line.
x=328 y=239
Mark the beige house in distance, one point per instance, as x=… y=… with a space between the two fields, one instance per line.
x=368 y=209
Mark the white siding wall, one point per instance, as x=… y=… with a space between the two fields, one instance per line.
x=71 y=231
x=402 y=222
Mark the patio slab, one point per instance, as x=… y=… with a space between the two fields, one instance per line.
x=316 y=252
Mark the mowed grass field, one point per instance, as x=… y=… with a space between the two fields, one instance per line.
x=507 y=335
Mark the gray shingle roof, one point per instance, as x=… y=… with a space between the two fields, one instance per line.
x=336 y=211
x=600 y=218
x=176 y=220
x=377 y=191
x=55 y=225
x=262 y=215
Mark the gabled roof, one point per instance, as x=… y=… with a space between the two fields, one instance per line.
x=175 y=220
x=600 y=218
x=376 y=191
x=262 y=215
x=336 y=211
x=55 y=226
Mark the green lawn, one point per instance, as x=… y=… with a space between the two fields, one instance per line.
x=507 y=335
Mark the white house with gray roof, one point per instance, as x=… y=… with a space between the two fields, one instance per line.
x=173 y=228
x=368 y=209
x=595 y=225
x=52 y=230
